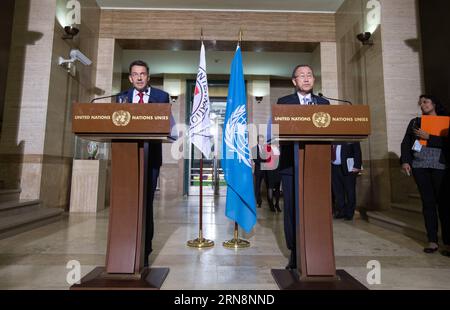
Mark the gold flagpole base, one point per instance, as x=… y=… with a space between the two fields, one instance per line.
x=236 y=244
x=200 y=243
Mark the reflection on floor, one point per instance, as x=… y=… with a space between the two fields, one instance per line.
x=37 y=259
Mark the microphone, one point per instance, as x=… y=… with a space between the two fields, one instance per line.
x=340 y=100
x=98 y=98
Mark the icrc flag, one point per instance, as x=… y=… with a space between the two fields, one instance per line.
x=199 y=122
x=236 y=161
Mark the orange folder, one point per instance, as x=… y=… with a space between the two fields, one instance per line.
x=435 y=125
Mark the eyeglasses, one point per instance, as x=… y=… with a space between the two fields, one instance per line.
x=303 y=77
x=135 y=74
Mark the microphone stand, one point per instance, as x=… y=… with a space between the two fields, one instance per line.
x=98 y=98
x=334 y=99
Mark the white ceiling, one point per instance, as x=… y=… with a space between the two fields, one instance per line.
x=323 y=6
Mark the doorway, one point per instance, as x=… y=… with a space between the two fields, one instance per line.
x=213 y=178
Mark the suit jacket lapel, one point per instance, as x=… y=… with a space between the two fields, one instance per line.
x=295 y=98
x=130 y=95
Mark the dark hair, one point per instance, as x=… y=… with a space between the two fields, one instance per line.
x=299 y=66
x=139 y=63
x=438 y=107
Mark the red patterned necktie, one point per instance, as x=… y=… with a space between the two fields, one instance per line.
x=141 y=97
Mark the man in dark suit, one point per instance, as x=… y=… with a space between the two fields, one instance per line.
x=345 y=165
x=303 y=80
x=142 y=93
x=258 y=155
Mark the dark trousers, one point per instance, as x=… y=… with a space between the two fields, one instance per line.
x=430 y=183
x=151 y=168
x=344 y=191
x=287 y=181
x=259 y=176
x=149 y=226
x=274 y=193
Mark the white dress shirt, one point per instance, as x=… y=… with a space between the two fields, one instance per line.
x=136 y=97
x=305 y=99
x=338 y=160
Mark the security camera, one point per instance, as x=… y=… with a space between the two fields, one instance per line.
x=80 y=57
x=76 y=55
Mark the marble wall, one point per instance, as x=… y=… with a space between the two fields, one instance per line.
x=26 y=99
x=387 y=77
x=6 y=23
x=403 y=81
x=36 y=143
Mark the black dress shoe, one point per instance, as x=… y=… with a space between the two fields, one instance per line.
x=430 y=250
x=348 y=218
x=259 y=205
x=277 y=207
x=291 y=267
x=338 y=216
x=272 y=208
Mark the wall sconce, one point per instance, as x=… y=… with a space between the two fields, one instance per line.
x=173 y=98
x=258 y=99
x=365 y=38
x=70 y=31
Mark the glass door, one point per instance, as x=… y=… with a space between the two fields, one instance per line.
x=213 y=179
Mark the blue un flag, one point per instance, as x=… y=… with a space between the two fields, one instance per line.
x=237 y=161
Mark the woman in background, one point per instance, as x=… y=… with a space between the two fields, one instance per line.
x=428 y=166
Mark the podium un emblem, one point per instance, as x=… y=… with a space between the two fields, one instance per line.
x=321 y=119
x=121 y=118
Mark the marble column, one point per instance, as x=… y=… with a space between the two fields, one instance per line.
x=25 y=110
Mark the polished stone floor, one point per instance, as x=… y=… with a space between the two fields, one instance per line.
x=37 y=259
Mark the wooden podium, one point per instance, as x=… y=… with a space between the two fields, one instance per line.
x=312 y=129
x=127 y=127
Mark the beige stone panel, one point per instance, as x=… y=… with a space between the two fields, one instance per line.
x=30 y=180
x=363 y=187
x=317 y=67
x=55 y=183
x=380 y=185
x=29 y=133
x=186 y=25
x=173 y=86
x=168 y=181
x=30 y=68
x=328 y=61
x=278 y=90
x=181 y=120
x=402 y=66
x=105 y=65
x=88 y=44
x=361 y=80
x=117 y=71
x=88 y=186
x=260 y=111
x=59 y=97
x=346 y=15
x=90 y=13
x=11 y=172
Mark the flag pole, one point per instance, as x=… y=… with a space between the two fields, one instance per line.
x=200 y=242
x=236 y=242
